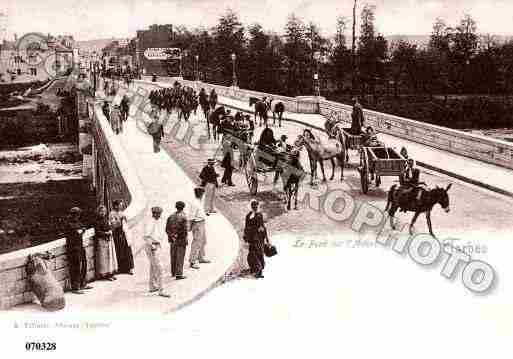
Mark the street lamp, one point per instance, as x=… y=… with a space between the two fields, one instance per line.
x=180 y=68
x=234 y=77
x=317 y=86
x=197 y=67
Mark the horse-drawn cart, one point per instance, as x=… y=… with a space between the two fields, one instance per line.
x=376 y=162
x=263 y=159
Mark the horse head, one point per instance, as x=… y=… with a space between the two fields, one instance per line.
x=442 y=197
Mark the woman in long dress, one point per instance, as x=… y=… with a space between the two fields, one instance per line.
x=255 y=236
x=106 y=262
x=124 y=253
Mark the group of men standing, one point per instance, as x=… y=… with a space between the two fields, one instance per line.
x=176 y=229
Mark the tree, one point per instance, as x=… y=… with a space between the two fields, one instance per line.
x=403 y=64
x=372 y=49
x=260 y=60
x=341 y=59
x=228 y=39
x=464 y=47
x=296 y=52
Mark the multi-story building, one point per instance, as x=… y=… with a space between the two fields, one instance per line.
x=154 y=51
x=117 y=56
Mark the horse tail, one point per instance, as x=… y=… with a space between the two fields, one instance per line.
x=390 y=197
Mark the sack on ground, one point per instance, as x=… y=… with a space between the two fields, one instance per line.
x=43 y=283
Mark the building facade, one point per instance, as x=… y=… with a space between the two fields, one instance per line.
x=152 y=48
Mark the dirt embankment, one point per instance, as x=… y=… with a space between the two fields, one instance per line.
x=38 y=186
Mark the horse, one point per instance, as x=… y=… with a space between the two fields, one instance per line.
x=261 y=109
x=205 y=106
x=318 y=151
x=214 y=119
x=292 y=174
x=278 y=110
x=401 y=198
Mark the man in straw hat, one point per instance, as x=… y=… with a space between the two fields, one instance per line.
x=208 y=178
x=153 y=236
x=199 y=236
x=75 y=251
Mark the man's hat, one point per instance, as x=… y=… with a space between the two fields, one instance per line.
x=283 y=137
x=211 y=160
x=180 y=205
x=156 y=209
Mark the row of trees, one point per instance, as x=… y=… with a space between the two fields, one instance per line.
x=456 y=60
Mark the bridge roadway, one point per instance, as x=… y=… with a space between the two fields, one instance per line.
x=472 y=207
x=350 y=296
x=353 y=296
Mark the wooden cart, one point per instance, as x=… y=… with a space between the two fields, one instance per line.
x=376 y=162
x=261 y=162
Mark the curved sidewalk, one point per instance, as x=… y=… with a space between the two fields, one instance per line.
x=164 y=183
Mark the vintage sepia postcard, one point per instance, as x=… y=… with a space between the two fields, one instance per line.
x=240 y=178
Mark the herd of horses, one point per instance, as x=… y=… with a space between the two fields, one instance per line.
x=184 y=100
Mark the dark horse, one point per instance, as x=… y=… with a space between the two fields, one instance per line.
x=260 y=109
x=205 y=106
x=402 y=198
x=278 y=110
x=214 y=119
x=292 y=174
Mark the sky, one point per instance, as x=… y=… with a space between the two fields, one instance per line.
x=95 y=19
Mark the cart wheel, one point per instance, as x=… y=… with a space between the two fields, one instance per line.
x=253 y=185
x=378 y=181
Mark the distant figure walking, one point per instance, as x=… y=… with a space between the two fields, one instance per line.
x=116 y=121
x=156 y=130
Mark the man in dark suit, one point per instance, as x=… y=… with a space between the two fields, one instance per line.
x=75 y=252
x=176 y=229
x=357 y=120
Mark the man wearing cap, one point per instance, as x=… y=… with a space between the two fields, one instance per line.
x=75 y=252
x=176 y=229
x=153 y=236
x=208 y=178
x=199 y=237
